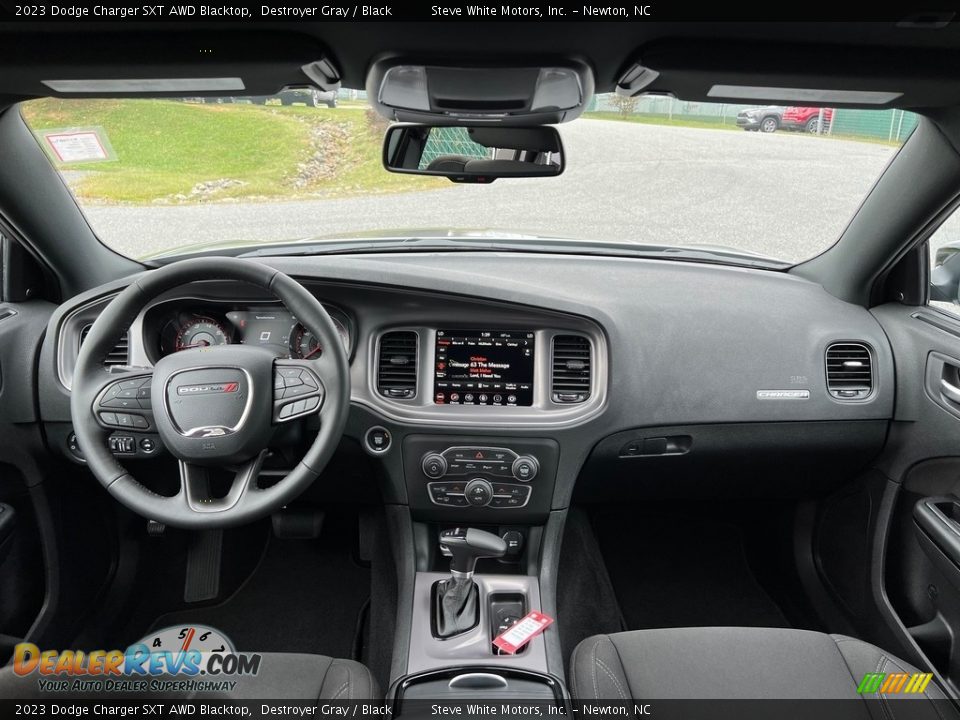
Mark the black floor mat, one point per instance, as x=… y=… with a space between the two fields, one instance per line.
x=682 y=572
x=586 y=603
x=305 y=596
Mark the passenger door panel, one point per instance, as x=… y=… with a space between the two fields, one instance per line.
x=920 y=576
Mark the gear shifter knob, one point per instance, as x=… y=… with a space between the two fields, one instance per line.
x=467 y=545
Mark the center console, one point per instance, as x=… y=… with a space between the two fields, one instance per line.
x=479 y=503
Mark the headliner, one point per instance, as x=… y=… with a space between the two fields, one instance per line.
x=923 y=64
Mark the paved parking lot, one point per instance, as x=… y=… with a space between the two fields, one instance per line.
x=783 y=195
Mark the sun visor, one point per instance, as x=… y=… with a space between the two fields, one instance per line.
x=151 y=65
x=838 y=76
x=439 y=94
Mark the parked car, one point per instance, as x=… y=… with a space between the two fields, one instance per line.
x=311 y=97
x=765 y=119
x=806 y=119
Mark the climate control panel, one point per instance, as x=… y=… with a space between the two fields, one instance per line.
x=478 y=492
x=475 y=479
x=494 y=461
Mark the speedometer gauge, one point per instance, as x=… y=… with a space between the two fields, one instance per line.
x=304 y=344
x=200 y=332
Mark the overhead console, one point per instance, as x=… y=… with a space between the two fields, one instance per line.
x=412 y=90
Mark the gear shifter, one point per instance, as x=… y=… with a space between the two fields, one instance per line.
x=456 y=600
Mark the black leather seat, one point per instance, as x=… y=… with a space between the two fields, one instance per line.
x=282 y=676
x=734 y=663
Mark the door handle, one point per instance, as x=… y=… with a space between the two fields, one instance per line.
x=938 y=518
x=950 y=391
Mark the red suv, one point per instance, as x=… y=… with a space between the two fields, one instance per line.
x=806 y=118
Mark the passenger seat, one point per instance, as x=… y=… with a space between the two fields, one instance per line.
x=736 y=663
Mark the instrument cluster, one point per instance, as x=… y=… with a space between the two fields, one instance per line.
x=189 y=326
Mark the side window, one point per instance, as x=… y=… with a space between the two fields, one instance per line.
x=944 y=247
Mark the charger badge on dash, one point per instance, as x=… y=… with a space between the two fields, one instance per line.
x=522 y=632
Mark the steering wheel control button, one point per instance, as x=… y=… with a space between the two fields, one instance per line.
x=132 y=394
x=525 y=468
x=377 y=440
x=296 y=392
x=434 y=466
x=479 y=492
x=300 y=389
x=121 y=403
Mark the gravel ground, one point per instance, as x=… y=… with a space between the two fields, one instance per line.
x=782 y=195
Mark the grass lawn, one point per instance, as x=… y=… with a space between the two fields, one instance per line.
x=165 y=148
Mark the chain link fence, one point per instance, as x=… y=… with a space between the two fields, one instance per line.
x=893 y=126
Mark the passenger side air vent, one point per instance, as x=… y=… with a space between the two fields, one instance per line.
x=849 y=371
x=570 y=382
x=120 y=355
x=397 y=365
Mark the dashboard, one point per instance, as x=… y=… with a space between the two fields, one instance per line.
x=555 y=357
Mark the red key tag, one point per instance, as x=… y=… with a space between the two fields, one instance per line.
x=522 y=632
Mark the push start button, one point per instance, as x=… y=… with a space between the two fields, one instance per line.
x=378 y=440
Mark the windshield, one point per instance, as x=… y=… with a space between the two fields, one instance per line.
x=166 y=176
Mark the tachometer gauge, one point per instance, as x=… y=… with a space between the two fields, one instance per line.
x=201 y=332
x=304 y=344
x=183 y=638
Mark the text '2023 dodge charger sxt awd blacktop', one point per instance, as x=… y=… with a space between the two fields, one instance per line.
x=452 y=367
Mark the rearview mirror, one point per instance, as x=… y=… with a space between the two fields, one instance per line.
x=473 y=154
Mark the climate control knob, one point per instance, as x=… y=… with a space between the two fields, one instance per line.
x=525 y=468
x=479 y=492
x=434 y=465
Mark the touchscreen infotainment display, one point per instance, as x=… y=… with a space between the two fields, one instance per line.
x=484 y=367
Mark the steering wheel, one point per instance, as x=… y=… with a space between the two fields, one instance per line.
x=213 y=406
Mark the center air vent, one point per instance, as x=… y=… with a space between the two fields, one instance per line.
x=849 y=371
x=119 y=355
x=571 y=368
x=397 y=365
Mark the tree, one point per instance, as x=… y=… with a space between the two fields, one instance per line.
x=625 y=105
